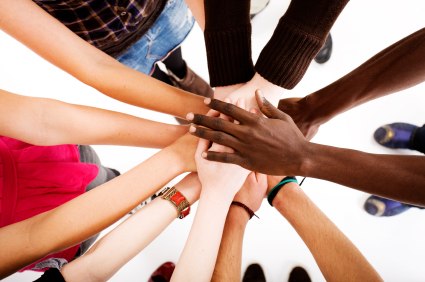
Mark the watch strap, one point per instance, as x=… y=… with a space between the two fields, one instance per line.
x=178 y=200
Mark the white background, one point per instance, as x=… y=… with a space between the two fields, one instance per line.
x=393 y=245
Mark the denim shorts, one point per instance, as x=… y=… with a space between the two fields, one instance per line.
x=166 y=34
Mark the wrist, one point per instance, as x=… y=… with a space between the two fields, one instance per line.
x=271 y=91
x=247 y=209
x=319 y=105
x=237 y=216
x=174 y=159
x=286 y=195
x=212 y=193
x=279 y=186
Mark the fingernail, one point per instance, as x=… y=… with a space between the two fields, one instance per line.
x=227 y=100
x=190 y=116
x=192 y=129
x=207 y=101
x=204 y=155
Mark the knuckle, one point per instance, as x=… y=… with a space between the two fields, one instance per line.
x=227 y=158
x=215 y=104
x=200 y=132
x=228 y=108
x=217 y=123
x=197 y=119
x=218 y=137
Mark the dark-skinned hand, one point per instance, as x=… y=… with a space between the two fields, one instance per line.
x=272 y=145
x=298 y=110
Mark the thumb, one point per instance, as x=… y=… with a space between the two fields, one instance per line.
x=267 y=108
x=261 y=178
x=202 y=147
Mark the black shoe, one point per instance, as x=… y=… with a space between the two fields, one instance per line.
x=325 y=53
x=254 y=273
x=116 y=172
x=298 y=274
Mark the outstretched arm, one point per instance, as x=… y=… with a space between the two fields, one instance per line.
x=229 y=260
x=57 y=44
x=44 y=122
x=256 y=140
x=398 y=67
x=98 y=265
x=220 y=182
x=75 y=221
x=335 y=254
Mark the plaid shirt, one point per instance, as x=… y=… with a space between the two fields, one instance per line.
x=110 y=25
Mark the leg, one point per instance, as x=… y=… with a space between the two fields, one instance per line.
x=88 y=155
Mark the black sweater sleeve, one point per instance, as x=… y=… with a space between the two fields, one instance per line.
x=228 y=41
x=298 y=37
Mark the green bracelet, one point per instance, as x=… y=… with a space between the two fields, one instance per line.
x=276 y=189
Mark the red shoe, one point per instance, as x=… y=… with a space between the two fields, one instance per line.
x=163 y=272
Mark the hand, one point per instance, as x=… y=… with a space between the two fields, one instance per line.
x=224 y=178
x=253 y=191
x=185 y=147
x=221 y=92
x=247 y=91
x=300 y=113
x=271 y=145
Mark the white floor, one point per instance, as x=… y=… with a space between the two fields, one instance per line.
x=393 y=245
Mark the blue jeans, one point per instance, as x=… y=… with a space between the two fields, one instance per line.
x=167 y=33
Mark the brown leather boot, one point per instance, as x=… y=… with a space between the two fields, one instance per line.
x=192 y=83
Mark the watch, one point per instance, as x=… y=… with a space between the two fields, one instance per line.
x=177 y=199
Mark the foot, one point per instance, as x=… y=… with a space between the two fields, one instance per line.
x=193 y=83
x=325 y=53
x=379 y=206
x=299 y=274
x=163 y=273
x=257 y=6
x=395 y=135
x=254 y=273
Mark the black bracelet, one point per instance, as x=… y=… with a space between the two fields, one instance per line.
x=248 y=210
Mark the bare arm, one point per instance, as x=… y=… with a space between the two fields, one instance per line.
x=335 y=254
x=229 y=260
x=400 y=66
x=137 y=231
x=220 y=182
x=257 y=140
x=73 y=222
x=44 y=122
x=396 y=177
x=50 y=39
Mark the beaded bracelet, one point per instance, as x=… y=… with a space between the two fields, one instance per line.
x=245 y=207
x=278 y=186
